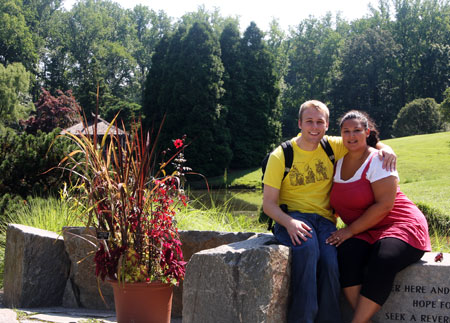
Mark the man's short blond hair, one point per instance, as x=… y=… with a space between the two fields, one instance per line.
x=320 y=106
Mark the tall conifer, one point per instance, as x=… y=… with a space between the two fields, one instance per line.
x=186 y=85
x=254 y=107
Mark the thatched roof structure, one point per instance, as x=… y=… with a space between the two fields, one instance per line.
x=102 y=127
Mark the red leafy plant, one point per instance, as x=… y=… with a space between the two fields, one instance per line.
x=131 y=201
x=51 y=112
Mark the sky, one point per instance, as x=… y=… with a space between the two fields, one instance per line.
x=288 y=12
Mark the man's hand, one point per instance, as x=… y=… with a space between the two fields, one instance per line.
x=389 y=158
x=298 y=230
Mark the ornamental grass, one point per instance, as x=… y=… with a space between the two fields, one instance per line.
x=130 y=199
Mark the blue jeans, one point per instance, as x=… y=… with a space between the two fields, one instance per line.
x=315 y=284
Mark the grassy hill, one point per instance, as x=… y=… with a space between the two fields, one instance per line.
x=424 y=169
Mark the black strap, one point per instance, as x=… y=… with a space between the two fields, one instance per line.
x=288 y=152
x=327 y=147
x=288 y=157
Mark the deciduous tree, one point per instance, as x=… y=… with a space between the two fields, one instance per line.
x=367 y=79
x=315 y=45
x=16 y=39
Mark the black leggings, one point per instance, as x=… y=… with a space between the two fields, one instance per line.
x=374 y=266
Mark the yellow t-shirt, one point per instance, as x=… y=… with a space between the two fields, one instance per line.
x=307 y=186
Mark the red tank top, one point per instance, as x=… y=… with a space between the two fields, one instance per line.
x=405 y=221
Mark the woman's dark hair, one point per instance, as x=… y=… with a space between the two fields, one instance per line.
x=366 y=121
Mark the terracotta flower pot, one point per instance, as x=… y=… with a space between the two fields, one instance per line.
x=142 y=302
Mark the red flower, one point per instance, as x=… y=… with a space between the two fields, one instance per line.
x=178 y=143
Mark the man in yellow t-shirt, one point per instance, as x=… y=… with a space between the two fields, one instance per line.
x=310 y=221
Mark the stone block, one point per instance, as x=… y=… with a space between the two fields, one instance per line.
x=83 y=288
x=36 y=267
x=246 y=281
x=195 y=241
x=421 y=293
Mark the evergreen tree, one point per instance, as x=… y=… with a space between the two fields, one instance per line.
x=255 y=113
x=26 y=160
x=164 y=71
x=232 y=80
x=188 y=92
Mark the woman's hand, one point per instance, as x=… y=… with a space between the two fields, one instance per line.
x=339 y=236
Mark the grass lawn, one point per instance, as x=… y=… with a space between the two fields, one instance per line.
x=424 y=169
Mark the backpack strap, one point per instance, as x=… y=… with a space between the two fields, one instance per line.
x=288 y=152
x=288 y=157
x=327 y=147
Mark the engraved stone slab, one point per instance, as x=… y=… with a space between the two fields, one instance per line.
x=421 y=293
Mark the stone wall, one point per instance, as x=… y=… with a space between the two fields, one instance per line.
x=44 y=269
x=36 y=267
x=248 y=282
x=231 y=277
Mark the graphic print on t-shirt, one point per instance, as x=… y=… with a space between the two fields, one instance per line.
x=321 y=171
x=303 y=173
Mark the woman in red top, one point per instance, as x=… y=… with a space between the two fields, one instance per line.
x=385 y=231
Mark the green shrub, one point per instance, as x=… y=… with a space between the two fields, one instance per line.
x=25 y=160
x=420 y=116
x=437 y=221
x=9 y=203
